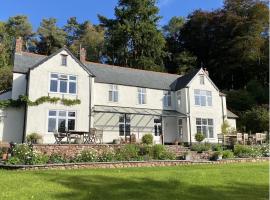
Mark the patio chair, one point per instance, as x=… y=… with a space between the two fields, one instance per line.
x=258 y=138
x=90 y=137
x=220 y=138
x=245 y=138
x=239 y=138
x=58 y=137
x=99 y=136
x=264 y=137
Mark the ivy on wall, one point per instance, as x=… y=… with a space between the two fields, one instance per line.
x=24 y=100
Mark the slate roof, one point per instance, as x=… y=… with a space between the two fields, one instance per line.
x=230 y=114
x=112 y=74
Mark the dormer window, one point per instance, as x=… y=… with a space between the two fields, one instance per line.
x=202 y=80
x=63 y=60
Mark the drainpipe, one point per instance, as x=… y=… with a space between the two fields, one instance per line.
x=190 y=142
x=222 y=108
x=90 y=102
x=26 y=107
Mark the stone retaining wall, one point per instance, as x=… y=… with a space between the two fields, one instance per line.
x=128 y=164
x=71 y=150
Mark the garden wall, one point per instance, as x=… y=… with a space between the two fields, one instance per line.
x=71 y=150
x=128 y=164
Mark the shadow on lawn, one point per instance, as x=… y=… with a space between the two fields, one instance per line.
x=106 y=187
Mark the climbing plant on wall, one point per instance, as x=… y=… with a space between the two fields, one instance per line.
x=24 y=100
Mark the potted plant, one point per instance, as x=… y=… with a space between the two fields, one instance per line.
x=199 y=137
x=217 y=155
x=116 y=141
x=4 y=153
x=34 y=138
x=188 y=155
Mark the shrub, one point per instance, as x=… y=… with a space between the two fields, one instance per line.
x=147 y=139
x=199 y=137
x=106 y=156
x=264 y=149
x=129 y=152
x=244 y=151
x=225 y=127
x=160 y=153
x=227 y=154
x=33 y=138
x=56 y=158
x=13 y=161
x=87 y=156
x=200 y=147
x=216 y=155
x=217 y=147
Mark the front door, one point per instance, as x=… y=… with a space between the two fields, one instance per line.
x=157 y=131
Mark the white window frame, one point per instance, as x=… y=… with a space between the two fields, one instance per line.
x=113 y=89
x=202 y=80
x=141 y=96
x=178 y=96
x=204 y=124
x=167 y=99
x=200 y=94
x=68 y=80
x=64 y=59
x=57 y=117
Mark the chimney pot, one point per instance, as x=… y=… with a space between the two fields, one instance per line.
x=206 y=72
x=19 y=45
x=82 y=55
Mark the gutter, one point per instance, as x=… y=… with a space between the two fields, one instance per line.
x=90 y=102
x=26 y=107
x=190 y=143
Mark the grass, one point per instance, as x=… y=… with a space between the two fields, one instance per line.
x=198 y=182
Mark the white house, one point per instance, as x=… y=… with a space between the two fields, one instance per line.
x=120 y=101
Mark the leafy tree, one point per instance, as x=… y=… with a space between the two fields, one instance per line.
x=256 y=119
x=5 y=78
x=132 y=38
x=51 y=37
x=178 y=59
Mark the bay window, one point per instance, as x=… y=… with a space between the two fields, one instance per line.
x=59 y=120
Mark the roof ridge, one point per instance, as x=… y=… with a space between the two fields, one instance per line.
x=117 y=66
x=34 y=54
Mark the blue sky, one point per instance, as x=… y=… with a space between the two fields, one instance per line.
x=88 y=9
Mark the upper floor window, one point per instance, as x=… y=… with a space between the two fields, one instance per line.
x=178 y=95
x=205 y=126
x=203 y=97
x=167 y=101
x=61 y=121
x=113 y=93
x=63 y=59
x=63 y=83
x=141 y=95
x=202 y=80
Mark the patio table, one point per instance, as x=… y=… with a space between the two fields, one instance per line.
x=72 y=133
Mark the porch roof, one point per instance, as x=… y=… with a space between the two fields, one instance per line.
x=137 y=111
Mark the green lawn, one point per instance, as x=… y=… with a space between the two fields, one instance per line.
x=205 y=182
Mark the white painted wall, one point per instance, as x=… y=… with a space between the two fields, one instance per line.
x=11 y=125
x=128 y=97
x=213 y=112
x=37 y=116
x=18 y=85
x=232 y=122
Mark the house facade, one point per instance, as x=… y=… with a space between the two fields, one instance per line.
x=120 y=101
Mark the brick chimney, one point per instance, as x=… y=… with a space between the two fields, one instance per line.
x=19 y=45
x=82 y=55
x=206 y=72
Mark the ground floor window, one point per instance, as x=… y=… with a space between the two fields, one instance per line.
x=180 y=128
x=157 y=127
x=205 y=126
x=61 y=120
x=124 y=125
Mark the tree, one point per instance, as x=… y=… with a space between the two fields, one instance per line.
x=5 y=78
x=256 y=119
x=85 y=35
x=178 y=59
x=132 y=38
x=51 y=37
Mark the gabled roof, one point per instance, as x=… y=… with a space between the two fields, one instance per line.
x=111 y=74
x=230 y=114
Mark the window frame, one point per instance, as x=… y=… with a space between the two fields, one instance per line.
x=115 y=93
x=167 y=98
x=64 y=59
x=202 y=80
x=201 y=96
x=205 y=126
x=125 y=123
x=59 y=80
x=142 y=94
x=57 y=117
